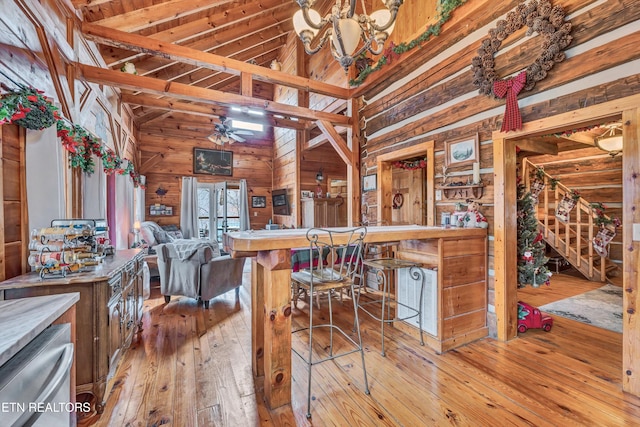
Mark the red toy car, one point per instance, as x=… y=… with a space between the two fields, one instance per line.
x=530 y=317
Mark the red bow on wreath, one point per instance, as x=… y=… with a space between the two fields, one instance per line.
x=511 y=88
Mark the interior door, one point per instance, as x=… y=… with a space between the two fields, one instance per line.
x=408 y=196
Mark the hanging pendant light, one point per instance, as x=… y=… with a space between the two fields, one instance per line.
x=611 y=141
x=345 y=29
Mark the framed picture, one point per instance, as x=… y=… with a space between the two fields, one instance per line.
x=461 y=152
x=213 y=162
x=370 y=182
x=258 y=201
x=306 y=194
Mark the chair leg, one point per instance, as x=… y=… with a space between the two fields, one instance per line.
x=310 y=361
x=206 y=304
x=357 y=323
x=167 y=298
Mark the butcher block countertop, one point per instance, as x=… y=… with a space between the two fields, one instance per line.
x=246 y=242
x=21 y=320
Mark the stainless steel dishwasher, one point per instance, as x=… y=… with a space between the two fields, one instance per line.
x=35 y=383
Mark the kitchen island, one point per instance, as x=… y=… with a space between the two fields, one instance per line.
x=108 y=313
x=458 y=254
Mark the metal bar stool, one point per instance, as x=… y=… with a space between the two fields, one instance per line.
x=383 y=266
x=344 y=254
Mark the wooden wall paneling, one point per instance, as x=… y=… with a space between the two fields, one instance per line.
x=14 y=220
x=631 y=278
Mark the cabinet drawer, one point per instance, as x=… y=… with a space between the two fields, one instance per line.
x=115 y=286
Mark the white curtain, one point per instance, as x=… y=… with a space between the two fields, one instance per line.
x=245 y=219
x=189 y=207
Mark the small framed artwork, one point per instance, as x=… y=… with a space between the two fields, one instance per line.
x=370 y=182
x=213 y=162
x=306 y=194
x=461 y=152
x=258 y=201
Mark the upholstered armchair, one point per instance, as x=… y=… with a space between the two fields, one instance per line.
x=197 y=271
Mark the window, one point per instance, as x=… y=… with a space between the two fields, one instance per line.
x=239 y=124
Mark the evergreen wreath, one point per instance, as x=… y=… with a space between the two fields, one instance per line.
x=539 y=16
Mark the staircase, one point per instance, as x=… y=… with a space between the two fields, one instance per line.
x=573 y=239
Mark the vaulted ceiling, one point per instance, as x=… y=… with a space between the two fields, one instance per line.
x=197 y=56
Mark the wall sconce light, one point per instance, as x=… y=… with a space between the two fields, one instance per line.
x=161 y=192
x=319 y=176
x=611 y=140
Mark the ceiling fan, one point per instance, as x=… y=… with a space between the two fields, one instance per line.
x=225 y=134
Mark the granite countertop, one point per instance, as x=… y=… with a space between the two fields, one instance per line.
x=21 y=320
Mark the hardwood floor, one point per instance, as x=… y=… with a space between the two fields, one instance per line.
x=192 y=367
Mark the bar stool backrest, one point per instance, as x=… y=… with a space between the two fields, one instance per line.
x=343 y=249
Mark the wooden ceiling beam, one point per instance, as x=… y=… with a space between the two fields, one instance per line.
x=276 y=20
x=169 y=104
x=151 y=16
x=336 y=141
x=113 y=37
x=85 y=3
x=175 y=106
x=536 y=146
x=188 y=74
x=198 y=94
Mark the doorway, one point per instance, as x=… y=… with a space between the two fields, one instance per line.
x=218 y=209
x=505 y=258
x=409 y=186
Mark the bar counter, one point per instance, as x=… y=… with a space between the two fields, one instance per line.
x=458 y=254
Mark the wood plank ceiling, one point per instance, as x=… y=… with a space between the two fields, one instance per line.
x=144 y=33
x=170 y=41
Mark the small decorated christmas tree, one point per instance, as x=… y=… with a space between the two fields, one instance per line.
x=532 y=262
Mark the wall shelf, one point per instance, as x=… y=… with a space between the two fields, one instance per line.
x=472 y=191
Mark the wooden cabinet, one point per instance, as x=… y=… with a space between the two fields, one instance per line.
x=324 y=213
x=108 y=314
x=460 y=290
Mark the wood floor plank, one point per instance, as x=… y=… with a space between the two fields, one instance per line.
x=569 y=376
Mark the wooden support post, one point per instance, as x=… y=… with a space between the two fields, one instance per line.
x=505 y=238
x=276 y=325
x=257 y=318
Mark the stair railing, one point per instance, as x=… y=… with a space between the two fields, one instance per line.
x=572 y=238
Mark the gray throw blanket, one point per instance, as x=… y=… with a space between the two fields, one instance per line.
x=186 y=248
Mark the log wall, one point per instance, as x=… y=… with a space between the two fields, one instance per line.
x=433 y=96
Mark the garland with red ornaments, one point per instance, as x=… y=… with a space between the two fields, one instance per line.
x=411 y=164
x=540 y=17
x=27 y=107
